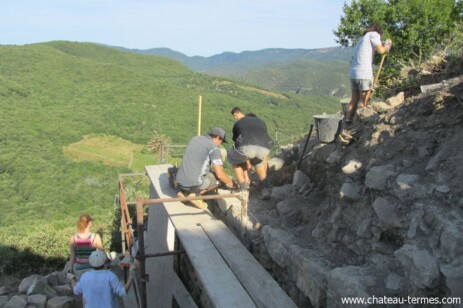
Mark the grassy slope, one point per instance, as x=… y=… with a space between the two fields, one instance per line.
x=303 y=76
x=53 y=94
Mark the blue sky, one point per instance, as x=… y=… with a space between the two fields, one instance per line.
x=193 y=27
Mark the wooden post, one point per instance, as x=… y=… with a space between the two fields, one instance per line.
x=199 y=115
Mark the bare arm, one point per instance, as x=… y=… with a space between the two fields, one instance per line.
x=223 y=176
x=383 y=48
x=97 y=242
x=72 y=255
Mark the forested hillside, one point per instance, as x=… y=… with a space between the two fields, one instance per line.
x=322 y=71
x=56 y=94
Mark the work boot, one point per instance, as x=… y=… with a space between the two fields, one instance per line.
x=200 y=204
x=265 y=189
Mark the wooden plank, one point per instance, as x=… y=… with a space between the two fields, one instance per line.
x=160 y=237
x=263 y=289
x=219 y=282
x=181 y=294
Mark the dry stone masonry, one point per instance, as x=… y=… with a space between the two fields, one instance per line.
x=382 y=216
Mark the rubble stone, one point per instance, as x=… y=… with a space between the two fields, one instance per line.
x=350 y=191
x=376 y=177
x=396 y=100
x=38 y=300
x=419 y=265
x=386 y=211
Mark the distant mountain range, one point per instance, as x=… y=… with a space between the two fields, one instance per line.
x=302 y=71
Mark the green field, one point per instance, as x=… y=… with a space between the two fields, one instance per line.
x=76 y=115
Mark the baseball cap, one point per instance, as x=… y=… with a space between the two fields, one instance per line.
x=217 y=131
x=97 y=258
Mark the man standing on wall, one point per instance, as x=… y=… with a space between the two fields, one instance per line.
x=251 y=147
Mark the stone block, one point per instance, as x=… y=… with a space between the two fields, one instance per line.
x=226 y=203
x=60 y=302
x=397 y=100
x=367 y=115
x=290 y=210
x=350 y=191
x=26 y=282
x=334 y=157
x=451 y=240
x=277 y=242
x=407 y=188
x=376 y=177
x=280 y=193
x=349 y=281
x=310 y=270
x=63 y=290
x=40 y=286
x=16 y=302
x=386 y=211
x=38 y=300
x=352 y=167
x=57 y=278
x=394 y=282
x=419 y=265
x=300 y=179
x=453 y=279
x=381 y=107
x=3 y=300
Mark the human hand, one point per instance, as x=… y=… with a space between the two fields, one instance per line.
x=132 y=271
x=388 y=44
x=70 y=276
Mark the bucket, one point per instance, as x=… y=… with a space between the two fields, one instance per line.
x=344 y=104
x=328 y=126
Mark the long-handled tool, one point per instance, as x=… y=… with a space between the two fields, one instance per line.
x=375 y=82
x=298 y=171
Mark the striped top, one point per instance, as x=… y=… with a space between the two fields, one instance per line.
x=82 y=250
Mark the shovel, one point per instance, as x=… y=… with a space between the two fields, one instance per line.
x=299 y=176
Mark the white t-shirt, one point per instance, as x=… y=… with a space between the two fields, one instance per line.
x=363 y=56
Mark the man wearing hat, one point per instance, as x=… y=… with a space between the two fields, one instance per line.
x=100 y=287
x=194 y=175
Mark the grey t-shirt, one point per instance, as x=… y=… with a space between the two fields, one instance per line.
x=363 y=56
x=200 y=153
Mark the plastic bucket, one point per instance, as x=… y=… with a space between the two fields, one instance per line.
x=344 y=104
x=328 y=126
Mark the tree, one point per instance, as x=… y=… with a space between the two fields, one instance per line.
x=418 y=28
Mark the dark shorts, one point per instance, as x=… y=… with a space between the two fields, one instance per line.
x=209 y=181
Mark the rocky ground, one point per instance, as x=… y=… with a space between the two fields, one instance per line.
x=381 y=215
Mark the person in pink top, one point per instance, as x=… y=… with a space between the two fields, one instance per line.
x=82 y=244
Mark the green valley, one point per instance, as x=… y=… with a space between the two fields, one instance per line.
x=67 y=109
